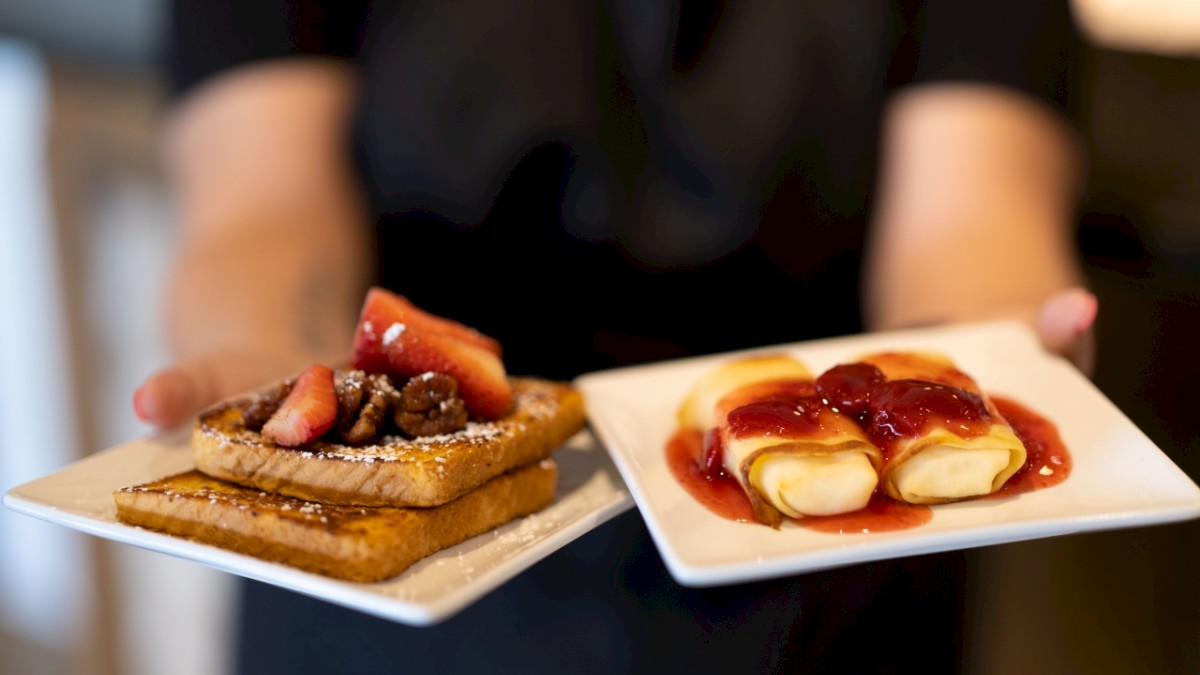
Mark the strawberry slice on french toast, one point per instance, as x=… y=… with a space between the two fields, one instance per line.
x=397 y=338
x=383 y=309
x=482 y=381
x=309 y=410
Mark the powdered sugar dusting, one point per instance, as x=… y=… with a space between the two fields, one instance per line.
x=398 y=448
x=393 y=331
x=531 y=404
x=526 y=532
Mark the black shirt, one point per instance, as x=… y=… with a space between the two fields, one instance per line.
x=622 y=181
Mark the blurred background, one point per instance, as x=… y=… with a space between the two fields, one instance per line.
x=85 y=228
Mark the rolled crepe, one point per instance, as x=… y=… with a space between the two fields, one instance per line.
x=942 y=438
x=792 y=455
x=698 y=410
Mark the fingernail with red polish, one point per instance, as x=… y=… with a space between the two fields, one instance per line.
x=1089 y=317
x=139 y=405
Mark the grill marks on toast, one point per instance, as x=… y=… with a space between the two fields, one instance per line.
x=363 y=513
x=356 y=543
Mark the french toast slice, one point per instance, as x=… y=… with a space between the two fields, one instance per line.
x=355 y=543
x=396 y=471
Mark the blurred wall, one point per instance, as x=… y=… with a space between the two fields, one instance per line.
x=85 y=232
x=38 y=581
x=115 y=33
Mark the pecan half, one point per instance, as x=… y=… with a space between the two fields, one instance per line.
x=429 y=405
x=256 y=414
x=351 y=390
x=378 y=397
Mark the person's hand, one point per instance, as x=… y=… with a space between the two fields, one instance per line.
x=975 y=218
x=273 y=253
x=171 y=396
x=1065 y=323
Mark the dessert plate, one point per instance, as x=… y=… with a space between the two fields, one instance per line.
x=590 y=492
x=1120 y=478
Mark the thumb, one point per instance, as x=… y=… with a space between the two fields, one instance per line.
x=1065 y=325
x=170 y=397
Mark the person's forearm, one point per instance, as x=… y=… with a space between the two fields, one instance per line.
x=976 y=210
x=273 y=247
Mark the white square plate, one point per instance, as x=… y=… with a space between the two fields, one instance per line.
x=590 y=492
x=1120 y=478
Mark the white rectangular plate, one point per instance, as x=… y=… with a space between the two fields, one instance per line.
x=1120 y=478
x=590 y=492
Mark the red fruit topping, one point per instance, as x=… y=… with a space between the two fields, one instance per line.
x=308 y=411
x=402 y=340
x=482 y=381
x=385 y=311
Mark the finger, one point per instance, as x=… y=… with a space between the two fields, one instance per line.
x=173 y=395
x=1065 y=324
x=169 y=397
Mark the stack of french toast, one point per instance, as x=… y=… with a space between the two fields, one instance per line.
x=422 y=441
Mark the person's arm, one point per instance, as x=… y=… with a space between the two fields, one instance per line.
x=273 y=255
x=975 y=217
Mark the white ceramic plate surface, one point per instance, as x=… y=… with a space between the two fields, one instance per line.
x=590 y=492
x=1120 y=478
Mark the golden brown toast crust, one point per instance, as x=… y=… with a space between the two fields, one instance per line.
x=347 y=542
x=426 y=471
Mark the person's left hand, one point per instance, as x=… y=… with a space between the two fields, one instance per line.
x=1065 y=323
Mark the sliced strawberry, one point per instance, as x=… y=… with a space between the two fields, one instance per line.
x=384 y=313
x=482 y=381
x=308 y=411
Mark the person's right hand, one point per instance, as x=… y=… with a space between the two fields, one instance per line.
x=1065 y=323
x=171 y=396
x=273 y=253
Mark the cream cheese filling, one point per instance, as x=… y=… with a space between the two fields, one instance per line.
x=803 y=483
x=945 y=472
x=815 y=485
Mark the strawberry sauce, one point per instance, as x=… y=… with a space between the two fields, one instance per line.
x=889 y=410
x=1048 y=463
x=715 y=489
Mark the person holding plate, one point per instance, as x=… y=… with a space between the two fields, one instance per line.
x=610 y=183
